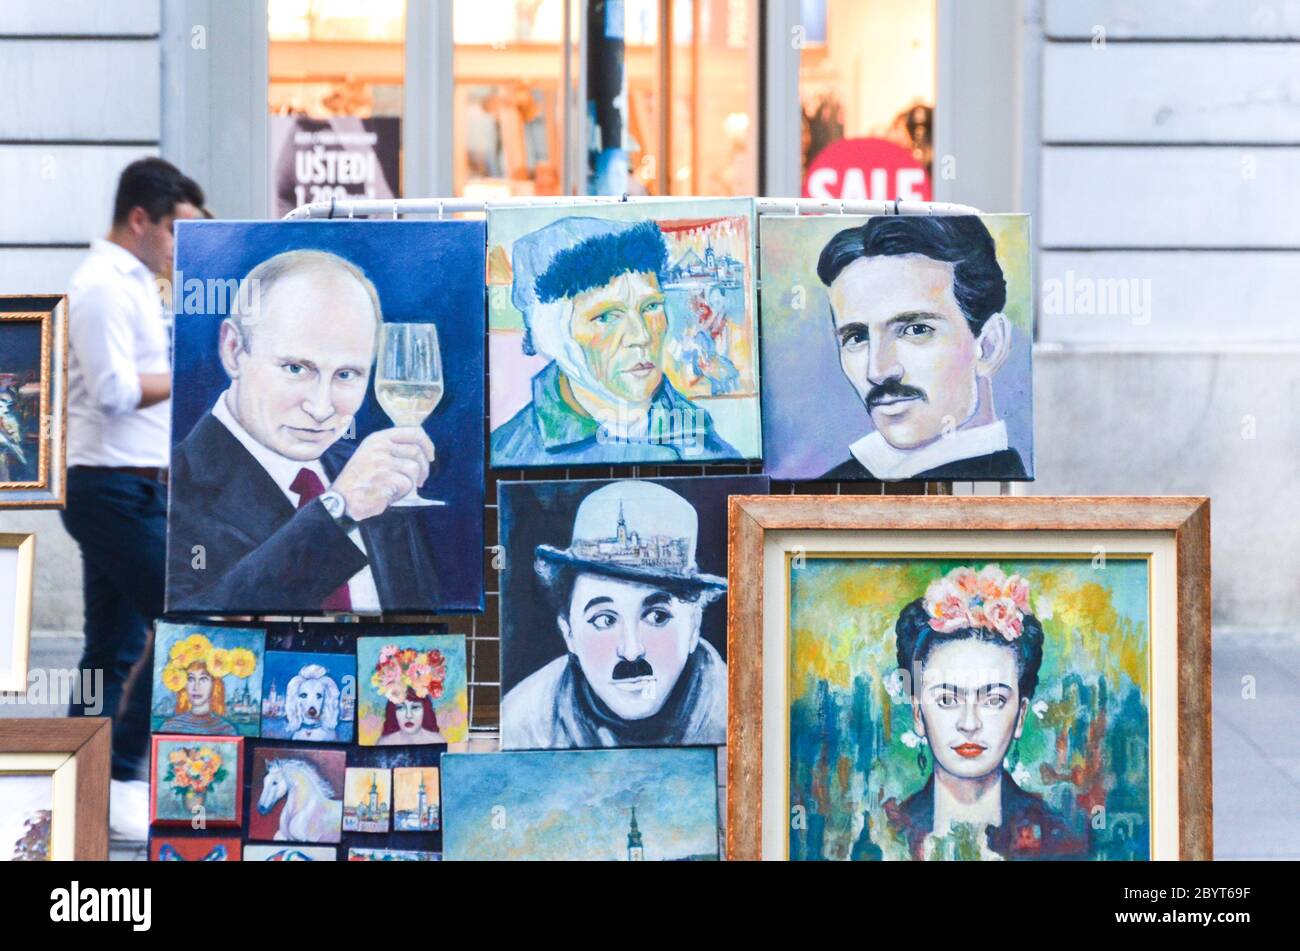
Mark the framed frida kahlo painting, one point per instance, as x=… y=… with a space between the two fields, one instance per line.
x=33 y=400
x=969 y=678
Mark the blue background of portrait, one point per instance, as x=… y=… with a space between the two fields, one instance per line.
x=20 y=354
x=20 y=347
x=424 y=271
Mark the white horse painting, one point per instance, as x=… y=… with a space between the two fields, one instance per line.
x=311 y=813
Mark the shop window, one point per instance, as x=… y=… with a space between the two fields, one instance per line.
x=337 y=71
x=867 y=94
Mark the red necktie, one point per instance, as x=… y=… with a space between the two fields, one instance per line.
x=308 y=487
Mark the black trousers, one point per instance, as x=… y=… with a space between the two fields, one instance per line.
x=120 y=522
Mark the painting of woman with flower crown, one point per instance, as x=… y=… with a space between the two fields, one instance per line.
x=207 y=680
x=980 y=709
x=412 y=690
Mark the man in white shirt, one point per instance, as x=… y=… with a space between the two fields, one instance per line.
x=275 y=508
x=119 y=389
x=917 y=308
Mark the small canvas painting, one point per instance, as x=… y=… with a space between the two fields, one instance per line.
x=204 y=849
x=897 y=347
x=392 y=855
x=412 y=690
x=586 y=805
x=290 y=853
x=614 y=612
x=623 y=333
x=309 y=697
x=26 y=813
x=207 y=680
x=367 y=799
x=297 y=795
x=416 y=799
x=197 y=777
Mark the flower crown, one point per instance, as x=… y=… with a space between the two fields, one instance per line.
x=197 y=649
x=401 y=669
x=991 y=599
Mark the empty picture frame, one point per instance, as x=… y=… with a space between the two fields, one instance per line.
x=33 y=401
x=54 y=775
x=17 y=561
x=1045 y=661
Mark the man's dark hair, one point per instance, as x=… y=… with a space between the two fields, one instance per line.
x=959 y=240
x=915 y=639
x=155 y=185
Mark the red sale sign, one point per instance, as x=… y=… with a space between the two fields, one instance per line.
x=871 y=169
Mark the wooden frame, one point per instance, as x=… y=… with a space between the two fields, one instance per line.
x=1187 y=519
x=48 y=490
x=236 y=772
x=13 y=671
x=79 y=749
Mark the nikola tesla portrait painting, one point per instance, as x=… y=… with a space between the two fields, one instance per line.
x=897 y=347
x=327 y=418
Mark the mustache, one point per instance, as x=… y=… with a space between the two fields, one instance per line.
x=891 y=390
x=632 y=669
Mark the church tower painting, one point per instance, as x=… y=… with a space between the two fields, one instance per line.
x=635 y=852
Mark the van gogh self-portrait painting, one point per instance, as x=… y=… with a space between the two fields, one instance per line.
x=981 y=708
x=623 y=333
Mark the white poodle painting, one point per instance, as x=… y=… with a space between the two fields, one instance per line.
x=312 y=697
x=311 y=705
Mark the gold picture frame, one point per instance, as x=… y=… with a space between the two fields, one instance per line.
x=17 y=571
x=75 y=752
x=33 y=412
x=1172 y=535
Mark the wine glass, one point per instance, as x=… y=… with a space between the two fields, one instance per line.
x=408 y=381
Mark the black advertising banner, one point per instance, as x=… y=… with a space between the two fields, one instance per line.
x=340 y=157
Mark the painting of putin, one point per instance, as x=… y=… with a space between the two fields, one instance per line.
x=296 y=489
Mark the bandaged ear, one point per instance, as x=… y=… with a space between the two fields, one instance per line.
x=994 y=345
x=550 y=330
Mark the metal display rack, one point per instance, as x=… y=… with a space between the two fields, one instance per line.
x=483 y=640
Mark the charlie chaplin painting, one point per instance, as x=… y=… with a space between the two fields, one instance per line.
x=323 y=460
x=920 y=327
x=622 y=335
x=613 y=612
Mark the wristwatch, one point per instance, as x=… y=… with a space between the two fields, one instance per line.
x=337 y=507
